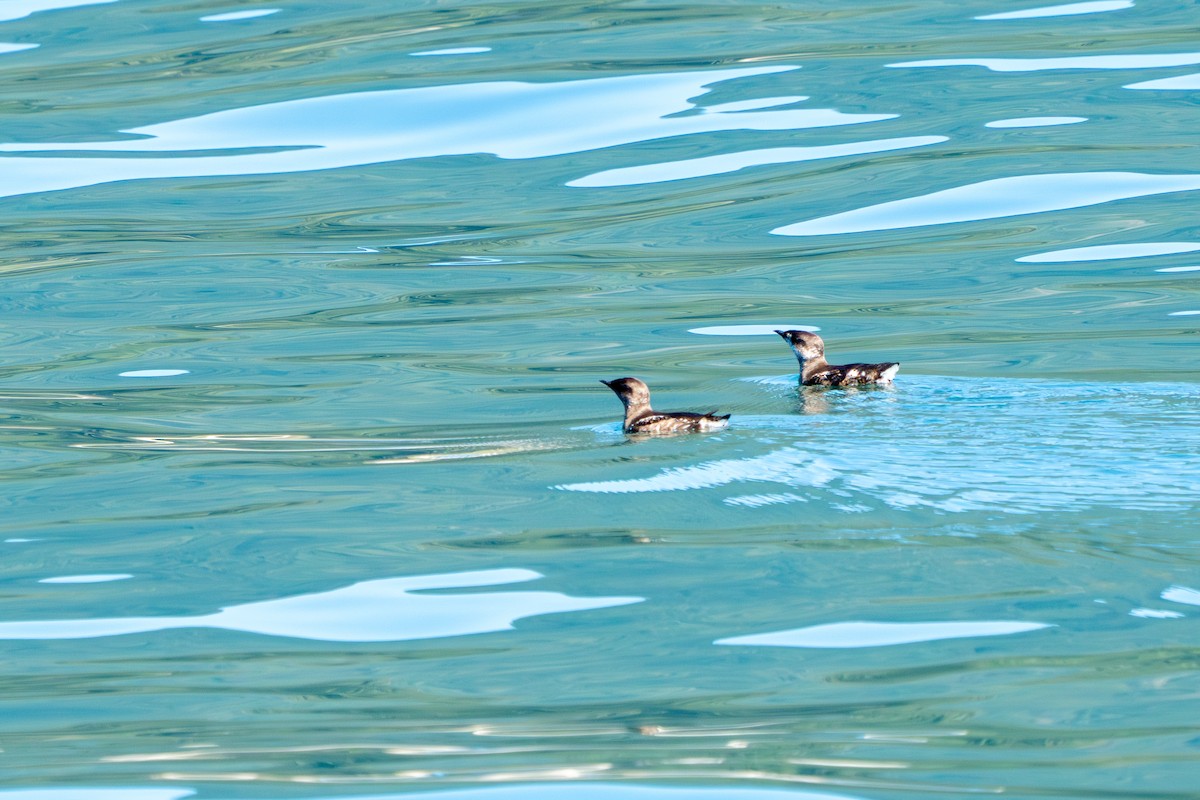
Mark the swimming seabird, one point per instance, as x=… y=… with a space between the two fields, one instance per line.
x=815 y=371
x=640 y=418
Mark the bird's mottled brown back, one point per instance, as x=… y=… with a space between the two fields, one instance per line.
x=655 y=422
x=853 y=375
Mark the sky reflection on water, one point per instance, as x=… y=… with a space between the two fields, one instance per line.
x=372 y=611
x=962 y=446
x=1065 y=10
x=1108 y=252
x=509 y=119
x=19 y=9
x=992 y=199
x=880 y=634
x=1115 y=61
x=396 y=246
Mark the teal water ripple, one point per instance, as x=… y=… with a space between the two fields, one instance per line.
x=301 y=307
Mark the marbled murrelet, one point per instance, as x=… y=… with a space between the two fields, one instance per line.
x=640 y=418
x=815 y=371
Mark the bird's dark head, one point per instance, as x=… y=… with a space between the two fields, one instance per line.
x=804 y=344
x=631 y=391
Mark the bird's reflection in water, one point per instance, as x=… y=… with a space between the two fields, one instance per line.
x=830 y=399
x=813 y=400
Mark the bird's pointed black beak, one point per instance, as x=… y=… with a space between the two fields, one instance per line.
x=607 y=383
x=784 y=334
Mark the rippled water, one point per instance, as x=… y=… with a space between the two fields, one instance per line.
x=311 y=489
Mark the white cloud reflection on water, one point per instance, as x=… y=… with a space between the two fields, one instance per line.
x=551 y=784
x=1114 y=61
x=1182 y=594
x=453 y=51
x=992 y=199
x=1065 y=10
x=880 y=634
x=19 y=9
x=508 y=119
x=732 y=162
x=152 y=373
x=1108 y=252
x=751 y=330
x=234 y=16
x=76 y=793
x=87 y=578
x=1155 y=613
x=1178 y=83
x=1033 y=122
x=372 y=611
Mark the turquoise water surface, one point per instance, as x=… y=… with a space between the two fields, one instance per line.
x=311 y=489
